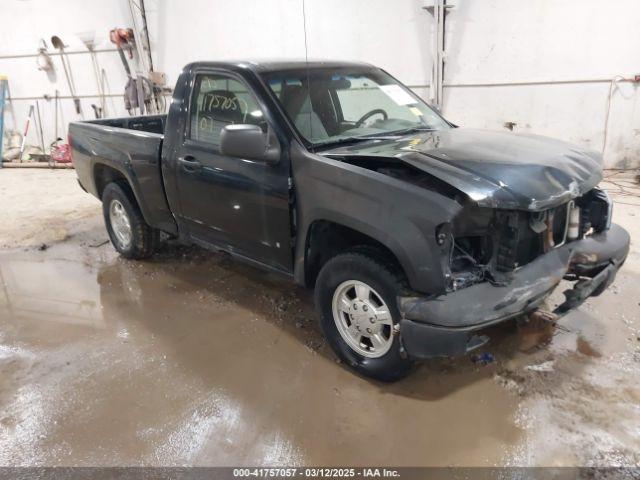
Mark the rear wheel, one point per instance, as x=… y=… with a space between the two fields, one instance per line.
x=128 y=231
x=356 y=298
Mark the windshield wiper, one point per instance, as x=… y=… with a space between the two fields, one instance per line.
x=416 y=129
x=386 y=136
x=338 y=141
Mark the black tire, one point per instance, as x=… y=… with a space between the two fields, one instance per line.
x=143 y=238
x=388 y=283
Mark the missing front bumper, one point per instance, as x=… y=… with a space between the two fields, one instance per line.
x=448 y=325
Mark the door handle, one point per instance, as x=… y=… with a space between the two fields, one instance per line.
x=189 y=163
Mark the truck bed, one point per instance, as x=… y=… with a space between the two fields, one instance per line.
x=129 y=147
x=147 y=123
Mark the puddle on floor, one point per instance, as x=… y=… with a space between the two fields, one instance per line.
x=191 y=358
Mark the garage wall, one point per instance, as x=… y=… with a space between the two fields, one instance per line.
x=546 y=43
x=545 y=65
x=391 y=34
x=24 y=24
x=188 y=30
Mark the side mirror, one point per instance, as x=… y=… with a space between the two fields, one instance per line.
x=250 y=142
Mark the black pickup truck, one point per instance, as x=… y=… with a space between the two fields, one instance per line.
x=415 y=234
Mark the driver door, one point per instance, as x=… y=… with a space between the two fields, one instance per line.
x=236 y=204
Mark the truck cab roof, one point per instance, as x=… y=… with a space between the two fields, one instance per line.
x=265 y=66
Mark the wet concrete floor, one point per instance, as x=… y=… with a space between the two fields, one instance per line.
x=193 y=359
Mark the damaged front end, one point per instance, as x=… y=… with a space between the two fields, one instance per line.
x=490 y=244
x=504 y=263
x=530 y=216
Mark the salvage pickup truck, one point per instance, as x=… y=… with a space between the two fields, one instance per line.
x=415 y=234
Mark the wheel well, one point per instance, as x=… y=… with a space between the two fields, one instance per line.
x=326 y=239
x=103 y=175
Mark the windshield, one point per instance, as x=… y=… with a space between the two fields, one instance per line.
x=349 y=103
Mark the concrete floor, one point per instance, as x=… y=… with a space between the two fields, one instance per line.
x=192 y=359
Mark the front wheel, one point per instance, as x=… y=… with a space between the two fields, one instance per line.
x=128 y=231
x=355 y=296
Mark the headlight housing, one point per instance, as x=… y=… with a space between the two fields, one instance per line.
x=596 y=209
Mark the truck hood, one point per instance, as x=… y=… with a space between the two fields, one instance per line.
x=494 y=169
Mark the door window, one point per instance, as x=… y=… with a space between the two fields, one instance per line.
x=219 y=101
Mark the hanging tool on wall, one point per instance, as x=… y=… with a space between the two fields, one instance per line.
x=138 y=91
x=45 y=62
x=137 y=94
x=89 y=40
x=59 y=44
x=97 y=111
x=107 y=90
x=159 y=82
x=155 y=104
x=123 y=39
x=44 y=59
x=39 y=128
x=56 y=107
x=26 y=131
